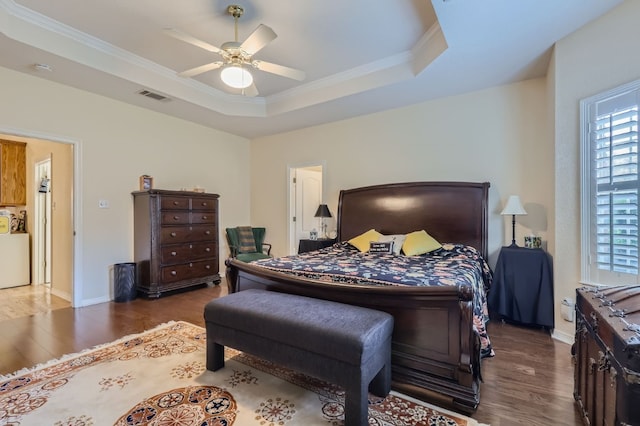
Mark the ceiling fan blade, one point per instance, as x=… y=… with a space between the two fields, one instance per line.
x=279 y=70
x=201 y=69
x=191 y=40
x=258 y=39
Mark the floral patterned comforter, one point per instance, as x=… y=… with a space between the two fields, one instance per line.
x=451 y=265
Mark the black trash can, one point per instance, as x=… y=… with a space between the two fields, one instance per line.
x=124 y=282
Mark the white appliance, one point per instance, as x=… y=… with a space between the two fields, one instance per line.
x=14 y=260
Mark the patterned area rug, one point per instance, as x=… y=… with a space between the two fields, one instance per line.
x=159 y=378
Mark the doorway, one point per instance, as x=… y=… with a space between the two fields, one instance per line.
x=306 y=184
x=54 y=253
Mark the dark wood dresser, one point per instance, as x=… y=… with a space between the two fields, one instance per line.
x=607 y=355
x=175 y=240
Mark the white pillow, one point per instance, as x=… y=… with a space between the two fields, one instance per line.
x=397 y=239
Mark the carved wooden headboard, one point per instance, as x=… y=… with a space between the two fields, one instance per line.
x=453 y=212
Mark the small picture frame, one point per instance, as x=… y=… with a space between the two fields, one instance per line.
x=146 y=183
x=532 y=242
x=313 y=235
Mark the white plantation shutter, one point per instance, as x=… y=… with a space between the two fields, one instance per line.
x=611 y=185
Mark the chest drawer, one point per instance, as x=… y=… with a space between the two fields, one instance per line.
x=174 y=203
x=201 y=217
x=184 y=234
x=188 y=271
x=202 y=203
x=185 y=252
x=177 y=217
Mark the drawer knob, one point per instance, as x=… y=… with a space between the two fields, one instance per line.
x=176 y=218
x=207 y=232
x=207 y=249
x=174 y=273
x=173 y=253
x=173 y=234
x=204 y=204
x=207 y=267
x=175 y=203
x=191 y=265
x=204 y=217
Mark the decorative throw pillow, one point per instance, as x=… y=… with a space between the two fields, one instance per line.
x=362 y=241
x=419 y=242
x=398 y=240
x=379 y=247
x=246 y=242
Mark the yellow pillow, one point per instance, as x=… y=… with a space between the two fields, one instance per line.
x=419 y=242
x=362 y=241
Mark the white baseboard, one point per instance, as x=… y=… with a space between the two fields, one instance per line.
x=97 y=300
x=563 y=337
x=61 y=294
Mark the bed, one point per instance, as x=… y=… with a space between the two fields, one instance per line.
x=437 y=347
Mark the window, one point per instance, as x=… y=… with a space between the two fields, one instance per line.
x=610 y=186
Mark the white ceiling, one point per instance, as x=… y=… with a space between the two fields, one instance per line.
x=360 y=56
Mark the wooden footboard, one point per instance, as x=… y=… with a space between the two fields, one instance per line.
x=435 y=353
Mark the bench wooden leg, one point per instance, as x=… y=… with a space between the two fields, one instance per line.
x=215 y=356
x=356 y=406
x=381 y=384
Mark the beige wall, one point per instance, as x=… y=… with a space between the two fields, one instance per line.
x=115 y=143
x=523 y=138
x=577 y=76
x=498 y=135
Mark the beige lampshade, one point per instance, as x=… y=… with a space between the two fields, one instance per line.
x=513 y=206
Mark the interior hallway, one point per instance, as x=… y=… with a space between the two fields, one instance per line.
x=27 y=300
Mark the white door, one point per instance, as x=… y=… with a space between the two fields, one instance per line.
x=42 y=223
x=306 y=197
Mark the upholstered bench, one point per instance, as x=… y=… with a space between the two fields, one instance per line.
x=346 y=345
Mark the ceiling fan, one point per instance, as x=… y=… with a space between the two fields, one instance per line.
x=238 y=57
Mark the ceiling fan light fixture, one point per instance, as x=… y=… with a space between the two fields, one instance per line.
x=236 y=76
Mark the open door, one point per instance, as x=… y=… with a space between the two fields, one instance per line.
x=42 y=223
x=305 y=193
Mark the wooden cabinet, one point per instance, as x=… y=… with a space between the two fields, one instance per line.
x=607 y=356
x=175 y=240
x=13 y=173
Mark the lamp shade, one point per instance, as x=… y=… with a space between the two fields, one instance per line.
x=236 y=76
x=513 y=206
x=323 y=211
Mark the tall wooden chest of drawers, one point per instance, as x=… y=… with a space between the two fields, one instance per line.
x=175 y=240
x=607 y=355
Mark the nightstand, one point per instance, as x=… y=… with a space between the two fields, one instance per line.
x=310 y=245
x=522 y=288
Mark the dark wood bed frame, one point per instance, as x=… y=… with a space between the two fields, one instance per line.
x=436 y=354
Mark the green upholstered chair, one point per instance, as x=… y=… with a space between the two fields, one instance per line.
x=261 y=250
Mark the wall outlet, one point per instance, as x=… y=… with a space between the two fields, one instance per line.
x=103 y=204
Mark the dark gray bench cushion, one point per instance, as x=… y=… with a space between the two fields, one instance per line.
x=331 y=329
x=342 y=344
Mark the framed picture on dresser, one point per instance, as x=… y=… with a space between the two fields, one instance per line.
x=146 y=183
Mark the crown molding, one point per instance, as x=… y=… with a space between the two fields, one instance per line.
x=32 y=28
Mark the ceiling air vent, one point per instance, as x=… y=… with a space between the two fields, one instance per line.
x=153 y=95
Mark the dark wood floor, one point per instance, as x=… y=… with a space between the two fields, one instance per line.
x=528 y=382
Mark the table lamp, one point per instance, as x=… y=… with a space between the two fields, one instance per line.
x=513 y=208
x=322 y=212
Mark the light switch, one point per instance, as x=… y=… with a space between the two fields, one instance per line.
x=103 y=204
